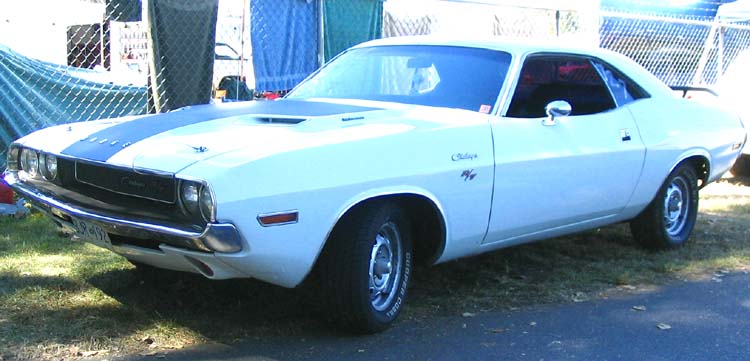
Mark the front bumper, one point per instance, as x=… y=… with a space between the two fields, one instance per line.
x=215 y=237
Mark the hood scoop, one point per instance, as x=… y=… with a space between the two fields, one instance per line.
x=281 y=120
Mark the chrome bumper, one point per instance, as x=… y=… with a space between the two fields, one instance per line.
x=216 y=237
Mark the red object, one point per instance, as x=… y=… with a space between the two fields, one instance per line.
x=271 y=96
x=6 y=194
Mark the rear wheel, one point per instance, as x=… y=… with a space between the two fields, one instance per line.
x=668 y=221
x=366 y=266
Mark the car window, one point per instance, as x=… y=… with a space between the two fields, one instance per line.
x=623 y=89
x=544 y=79
x=441 y=76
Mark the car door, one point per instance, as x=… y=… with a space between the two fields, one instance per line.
x=556 y=177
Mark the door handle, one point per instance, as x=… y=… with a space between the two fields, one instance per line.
x=625 y=135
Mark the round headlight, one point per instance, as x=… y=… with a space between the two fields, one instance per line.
x=14 y=157
x=207 y=204
x=30 y=162
x=189 y=195
x=49 y=166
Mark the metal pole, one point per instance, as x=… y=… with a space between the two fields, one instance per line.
x=102 y=45
x=245 y=10
x=703 y=60
x=321 y=37
x=720 y=66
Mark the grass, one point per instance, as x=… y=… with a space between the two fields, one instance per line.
x=65 y=299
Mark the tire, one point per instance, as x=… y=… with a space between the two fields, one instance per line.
x=366 y=266
x=668 y=221
x=741 y=167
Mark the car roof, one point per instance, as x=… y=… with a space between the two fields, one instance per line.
x=520 y=47
x=511 y=45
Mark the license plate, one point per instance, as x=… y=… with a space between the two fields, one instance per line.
x=90 y=232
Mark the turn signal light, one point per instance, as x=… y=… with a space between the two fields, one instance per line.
x=277 y=219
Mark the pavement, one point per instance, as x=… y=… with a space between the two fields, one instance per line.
x=692 y=320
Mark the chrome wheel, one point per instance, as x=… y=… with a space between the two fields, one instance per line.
x=385 y=266
x=676 y=206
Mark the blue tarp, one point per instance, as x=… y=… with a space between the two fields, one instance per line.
x=36 y=94
x=285 y=42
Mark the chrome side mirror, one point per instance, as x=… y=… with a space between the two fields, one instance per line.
x=556 y=108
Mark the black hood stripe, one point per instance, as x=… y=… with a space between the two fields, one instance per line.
x=104 y=144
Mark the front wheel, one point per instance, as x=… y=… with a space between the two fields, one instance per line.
x=668 y=221
x=366 y=265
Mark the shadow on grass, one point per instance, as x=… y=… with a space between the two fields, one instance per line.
x=553 y=271
x=223 y=310
x=36 y=311
x=231 y=310
x=739 y=181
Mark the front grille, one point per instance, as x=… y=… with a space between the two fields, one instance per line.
x=162 y=188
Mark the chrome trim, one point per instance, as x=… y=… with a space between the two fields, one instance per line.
x=216 y=237
x=207 y=217
x=291 y=211
x=508 y=89
x=201 y=184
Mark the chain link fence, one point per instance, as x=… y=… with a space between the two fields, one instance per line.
x=679 y=51
x=484 y=19
x=72 y=60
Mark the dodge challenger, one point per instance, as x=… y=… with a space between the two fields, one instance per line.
x=398 y=151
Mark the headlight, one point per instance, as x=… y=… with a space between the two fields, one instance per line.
x=14 y=155
x=189 y=192
x=207 y=204
x=30 y=162
x=48 y=166
x=197 y=200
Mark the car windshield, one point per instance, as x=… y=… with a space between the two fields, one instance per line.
x=441 y=76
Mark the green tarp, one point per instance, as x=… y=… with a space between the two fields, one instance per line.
x=350 y=22
x=124 y=10
x=35 y=94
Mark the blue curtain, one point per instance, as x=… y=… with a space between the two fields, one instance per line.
x=285 y=42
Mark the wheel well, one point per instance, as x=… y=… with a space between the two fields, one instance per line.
x=701 y=166
x=428 y=226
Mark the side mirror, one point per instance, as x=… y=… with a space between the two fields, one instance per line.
x=556 y=108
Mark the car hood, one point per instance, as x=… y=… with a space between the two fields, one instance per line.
x=172 y=141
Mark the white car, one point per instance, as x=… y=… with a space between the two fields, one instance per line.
x=732 y=94
x=399 y=151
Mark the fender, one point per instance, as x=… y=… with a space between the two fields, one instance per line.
x=693 y=152
x=386 y=191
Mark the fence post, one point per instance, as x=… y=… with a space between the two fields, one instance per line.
x=321 y=34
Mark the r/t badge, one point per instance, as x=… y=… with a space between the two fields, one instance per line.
x=468 y=175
